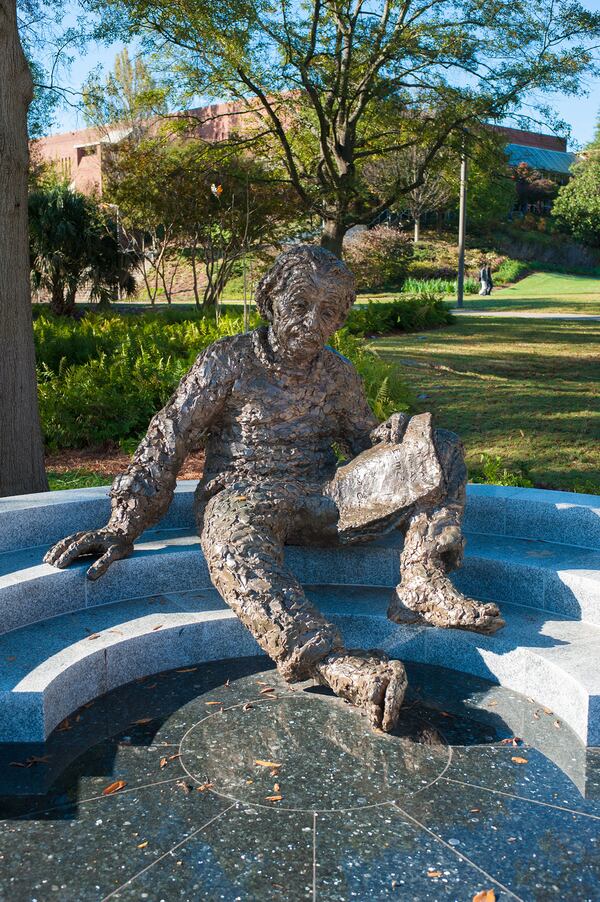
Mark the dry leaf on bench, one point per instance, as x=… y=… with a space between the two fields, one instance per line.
x=114 y=787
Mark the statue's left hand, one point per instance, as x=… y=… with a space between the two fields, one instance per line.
x=391 y=432
x=110 y=545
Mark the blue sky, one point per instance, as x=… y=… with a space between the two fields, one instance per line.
x=581 y=113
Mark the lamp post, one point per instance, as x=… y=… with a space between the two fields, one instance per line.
x=462 y=227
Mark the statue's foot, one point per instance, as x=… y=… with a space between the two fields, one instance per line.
x=369 y=680
x=430 y=598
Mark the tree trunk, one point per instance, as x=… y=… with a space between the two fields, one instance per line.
x=332 y=236
x=417 y=229
x=57 y=295
x=21 y=449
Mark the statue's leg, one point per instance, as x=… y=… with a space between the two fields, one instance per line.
x=433 y=546
x=243 y=532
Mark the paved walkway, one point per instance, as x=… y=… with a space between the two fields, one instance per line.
x=586 y=317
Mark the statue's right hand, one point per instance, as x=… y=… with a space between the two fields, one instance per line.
x=110 y=545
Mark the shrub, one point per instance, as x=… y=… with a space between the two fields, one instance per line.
x=386 y=390
x=439 y=286
x=405 y=314
x=379 y=257
x=510 y=271
x=494 y=473
x=101 y=379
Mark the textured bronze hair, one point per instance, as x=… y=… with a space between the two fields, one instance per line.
x=304 y=264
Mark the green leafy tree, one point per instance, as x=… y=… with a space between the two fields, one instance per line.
x=72 y=244
x=335 y=83
x=186 y=199
x=129 y=97
x=577 y=206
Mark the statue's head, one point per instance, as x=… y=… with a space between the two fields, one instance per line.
x=305 y=296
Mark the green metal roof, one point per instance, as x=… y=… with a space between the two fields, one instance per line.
x=539 y=158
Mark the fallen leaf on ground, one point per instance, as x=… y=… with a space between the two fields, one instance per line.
x=204 y=786
x=513 y=740
x=151 y=686
x=63 y=725
x=163 y=762
x=142 y=721
x=276 y=787
x=249 y=781
x=275 y=772
x=492 y=704
x=176 y=755
x=485 y=895
x=29 y=762
x=185 y=786
x=475 y=810
x=143 y=845
x=266 y=690
x=213 y=703
x=227 y=684
x=557 y=724
x=518 y=760
x=94 y=636
x=114 y=787
x=248 y=707
x=546 y=710
x=273 y=798
x=159 y=627
x=186 y=670
x=536 y=714
x=434 y=874
x=260 y=762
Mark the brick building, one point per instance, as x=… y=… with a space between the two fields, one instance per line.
x=78 y=154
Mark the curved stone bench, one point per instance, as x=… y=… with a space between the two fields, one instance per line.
x=65 y=640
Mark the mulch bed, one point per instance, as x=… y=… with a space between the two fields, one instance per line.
x=110 y=463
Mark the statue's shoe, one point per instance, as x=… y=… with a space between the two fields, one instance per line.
x=431 y=599
x=369 y=680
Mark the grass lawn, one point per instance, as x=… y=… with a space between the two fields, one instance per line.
x=544 y=292
x=524 y=390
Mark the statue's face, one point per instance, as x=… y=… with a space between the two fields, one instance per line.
x=306 y=318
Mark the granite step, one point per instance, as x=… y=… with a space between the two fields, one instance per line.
x=565 y=517
x=549 y=576
x=49 y=669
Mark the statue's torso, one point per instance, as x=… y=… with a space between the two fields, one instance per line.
x=275 y=423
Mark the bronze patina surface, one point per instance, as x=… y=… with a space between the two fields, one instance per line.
x=269 y=405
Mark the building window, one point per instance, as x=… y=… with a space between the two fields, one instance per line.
x=89 y=150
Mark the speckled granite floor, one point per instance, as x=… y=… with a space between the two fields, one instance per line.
x=479 y=790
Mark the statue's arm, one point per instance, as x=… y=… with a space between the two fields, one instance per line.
x=359 y=427
x=141 y=495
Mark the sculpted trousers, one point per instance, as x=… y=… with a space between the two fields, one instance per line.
x=417 y=485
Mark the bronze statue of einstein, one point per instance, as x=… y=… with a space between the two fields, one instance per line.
x=269 y=405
